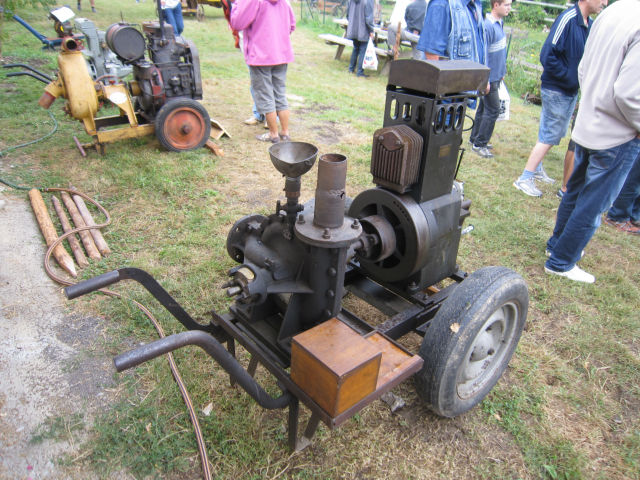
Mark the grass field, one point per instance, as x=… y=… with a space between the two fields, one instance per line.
x=567 y=408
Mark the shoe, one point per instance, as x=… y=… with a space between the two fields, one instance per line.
x=576 y=274
x=484 y=152
x=265 y=137
x=79 y=7
x=528 y=187
x=364 y=75
x=542 y=176
x=285 y=138
x=626 y=227
x=635 y=223
x=488 y=146
x=265 y=125
x=560 y=194
x=93 y=9
x=251 y=121
x=350 y=71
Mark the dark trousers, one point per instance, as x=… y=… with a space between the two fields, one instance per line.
x=627 y=205
x=486 y=117
x=597 y=178
x=358 y=56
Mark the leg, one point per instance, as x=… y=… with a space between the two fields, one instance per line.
x=491 y=111
x=262 y=86
x=354 y=56
x=622 y=209
x=568 y=165
x=168 y=16
x=177 y=14
x=536 y=156
x=362 y=49
x=477 y=121
x=597 y=179
x=279 y=80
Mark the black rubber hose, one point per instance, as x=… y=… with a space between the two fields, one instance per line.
x=216 y=350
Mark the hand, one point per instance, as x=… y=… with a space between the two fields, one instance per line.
x=488 y=88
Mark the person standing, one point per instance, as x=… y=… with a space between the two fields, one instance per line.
x=489 y=107
x=267 y=26
x=453 y=29
x=397 y=22
x=560 y=56
x=172 y=12
x=607 y=135
x=359 y=30
x=91 y=2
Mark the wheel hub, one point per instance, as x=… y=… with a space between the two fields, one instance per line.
x=487 y=350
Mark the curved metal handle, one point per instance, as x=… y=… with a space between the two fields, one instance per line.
x=91 y=285
x=216 y=350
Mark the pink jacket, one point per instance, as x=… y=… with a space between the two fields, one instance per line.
x=266 y=27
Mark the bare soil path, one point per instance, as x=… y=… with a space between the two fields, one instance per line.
x=51 y=367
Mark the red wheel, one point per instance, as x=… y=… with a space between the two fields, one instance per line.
x=182 y=124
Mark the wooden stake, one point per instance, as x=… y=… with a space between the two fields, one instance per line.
x=85 y=236
x=88 y=219
x=214 y=148
x=66 y=227
x=49 y=232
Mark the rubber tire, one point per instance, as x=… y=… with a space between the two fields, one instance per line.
x=169 y=109
x=445 y=348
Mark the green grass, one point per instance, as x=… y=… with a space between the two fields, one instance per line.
x=568 y=405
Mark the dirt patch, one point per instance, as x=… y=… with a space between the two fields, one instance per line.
x=52 y=369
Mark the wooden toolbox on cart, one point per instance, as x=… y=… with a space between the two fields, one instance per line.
x=338 y=368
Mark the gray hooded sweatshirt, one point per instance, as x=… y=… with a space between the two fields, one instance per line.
x=360 y=16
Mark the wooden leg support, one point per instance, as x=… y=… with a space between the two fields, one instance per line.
x=339 y=52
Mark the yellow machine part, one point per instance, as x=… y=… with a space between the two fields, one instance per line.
x=76 y=85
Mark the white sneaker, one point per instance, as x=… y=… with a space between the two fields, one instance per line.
x=542 y=176
x=576 y=274
x=528 y=187
x=250 y=121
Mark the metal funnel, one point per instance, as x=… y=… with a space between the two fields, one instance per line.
x=293 y=159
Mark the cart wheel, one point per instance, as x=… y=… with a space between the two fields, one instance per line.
x=182 y=124
x=471 y=339
x=200 y=13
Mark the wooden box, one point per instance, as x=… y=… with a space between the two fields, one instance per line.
x=334 y=365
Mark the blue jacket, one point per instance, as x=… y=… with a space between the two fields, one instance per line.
x=562 y=52
x=454 y=29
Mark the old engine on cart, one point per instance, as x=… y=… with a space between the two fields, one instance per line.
x=394 y=246
x=162 y=98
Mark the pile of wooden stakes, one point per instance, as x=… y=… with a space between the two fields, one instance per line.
x=92 y=240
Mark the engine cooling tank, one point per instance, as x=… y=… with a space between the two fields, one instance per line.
x=126 y=41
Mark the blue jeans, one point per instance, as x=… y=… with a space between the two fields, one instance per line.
x=358 y=56
x=486 y=117
x=173 y=16
x=557 y=109
x=627 y=205
x=597 y=178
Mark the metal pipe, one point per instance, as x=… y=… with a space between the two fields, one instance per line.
x=330 y=191
x=216 y=350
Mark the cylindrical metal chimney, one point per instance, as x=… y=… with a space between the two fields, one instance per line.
x=330 y=191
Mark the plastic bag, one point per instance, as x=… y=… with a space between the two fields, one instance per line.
x=370 y=61
x=505 y=100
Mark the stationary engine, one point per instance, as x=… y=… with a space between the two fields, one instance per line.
x=161 y=98
x=392 y=249
x=173 y=69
